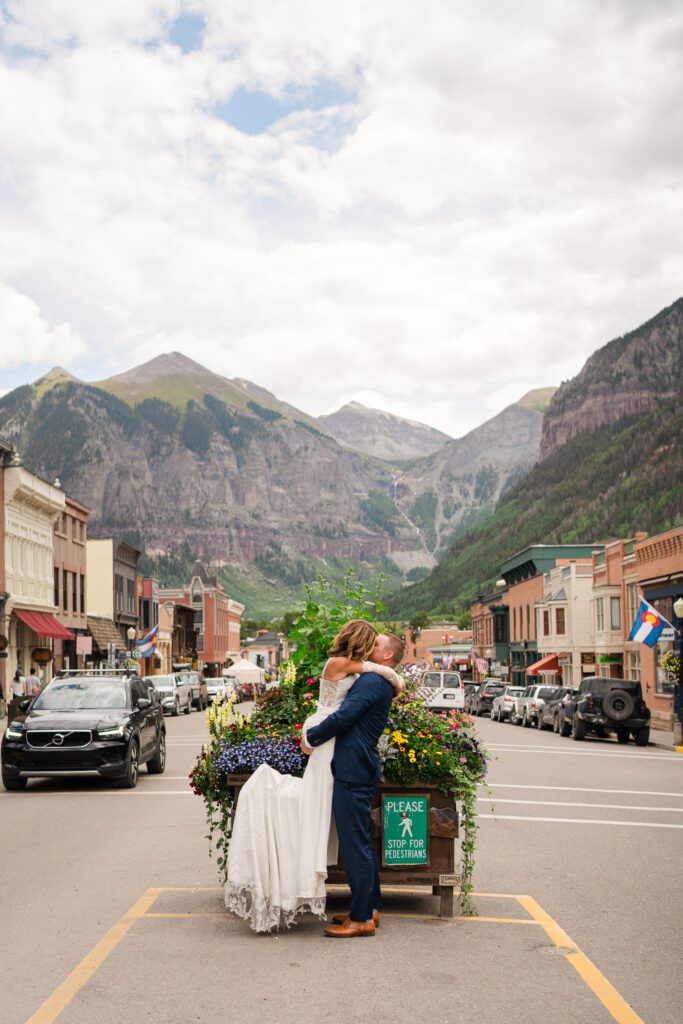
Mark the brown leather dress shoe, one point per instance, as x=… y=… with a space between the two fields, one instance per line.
x=351 y=929
x=343 y=918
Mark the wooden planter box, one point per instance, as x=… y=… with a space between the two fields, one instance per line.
x=441 y=828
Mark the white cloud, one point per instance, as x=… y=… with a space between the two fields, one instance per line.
x=27 y=337
x=503 y=196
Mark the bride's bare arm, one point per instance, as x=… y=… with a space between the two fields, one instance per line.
x=339 y=667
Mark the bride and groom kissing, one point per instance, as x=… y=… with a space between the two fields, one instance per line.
x=287 y=829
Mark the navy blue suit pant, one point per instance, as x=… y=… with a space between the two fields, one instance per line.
x=352 y=805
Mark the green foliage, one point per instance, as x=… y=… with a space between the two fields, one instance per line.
x=160 y=414
x=310 y=428
x=270 y=415
x=419 y=572
x=236 y=427
x=378 y=510
x=196 y=429
x=17 y=401
x=423 y=514
x=329 y=606
x=604 y=483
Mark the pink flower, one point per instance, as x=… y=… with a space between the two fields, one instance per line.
x=311 y=679
x=307 y=696
x=463 y=760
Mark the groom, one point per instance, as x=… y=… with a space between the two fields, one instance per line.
x=357 y=726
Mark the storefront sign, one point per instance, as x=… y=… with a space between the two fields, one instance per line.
x=83 y=645
x=405 y=829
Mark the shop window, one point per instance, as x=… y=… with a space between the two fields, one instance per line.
x=56 y=592
x=546 y=623
x=633 y=602
x=514 y=623
x=559 y=621
x=528 y=622
x=615 y=612
x=600 y=614
x=82 y=594
x=65 y=590
x=633 y=665
x=74 y=592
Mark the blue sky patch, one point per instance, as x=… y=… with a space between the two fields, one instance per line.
x=255 y=111
x=187 y=32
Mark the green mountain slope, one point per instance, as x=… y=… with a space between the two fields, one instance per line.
x=602 y=484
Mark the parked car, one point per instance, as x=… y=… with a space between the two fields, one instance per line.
x=85 y=724
x=470 y=690
x=175 y=692
x=442 y=691
x=503 y=703
x=481 y=702
x=549 y=713
x=605 y=706
x=526 y=707
x=218 y=686
x=200 y=693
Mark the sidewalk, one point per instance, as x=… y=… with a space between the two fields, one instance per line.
x=663 y=738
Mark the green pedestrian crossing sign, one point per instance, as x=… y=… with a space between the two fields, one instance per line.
x=405 y=829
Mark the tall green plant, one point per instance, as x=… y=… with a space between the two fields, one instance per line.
x=329 y=606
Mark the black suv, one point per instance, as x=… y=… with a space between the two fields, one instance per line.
x=604 y=705
x=482 y=700
x=84 y=723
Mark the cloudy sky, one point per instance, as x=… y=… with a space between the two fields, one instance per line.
x=429 y=208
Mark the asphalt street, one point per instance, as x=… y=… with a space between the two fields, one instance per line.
x=591 y=832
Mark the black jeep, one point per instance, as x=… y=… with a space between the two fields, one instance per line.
x=604 y=705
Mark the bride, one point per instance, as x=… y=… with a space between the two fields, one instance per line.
x=283 y=835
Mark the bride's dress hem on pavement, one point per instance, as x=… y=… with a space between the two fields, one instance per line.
x=283 y=834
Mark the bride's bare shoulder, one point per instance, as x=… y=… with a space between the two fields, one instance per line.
x=337 y=668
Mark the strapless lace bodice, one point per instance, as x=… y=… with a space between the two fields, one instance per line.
x=332 y=693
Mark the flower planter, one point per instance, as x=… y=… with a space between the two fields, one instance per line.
x=419 y=853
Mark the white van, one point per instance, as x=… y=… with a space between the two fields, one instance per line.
x=442 y=691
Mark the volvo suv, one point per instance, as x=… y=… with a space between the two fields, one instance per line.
x=85 y=724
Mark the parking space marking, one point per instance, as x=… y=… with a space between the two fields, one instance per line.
x=64 y=993
x=613 y=1002
x=580 y=821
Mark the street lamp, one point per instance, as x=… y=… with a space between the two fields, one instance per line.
x=678 y=698
x=131 y=633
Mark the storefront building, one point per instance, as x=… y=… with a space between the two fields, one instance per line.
x=69 y=541
x=112 y=583
x=564 y=625
x=659 y=570
x=31 y=506
x=490 y=650
x=420 y=643
x=217 y=618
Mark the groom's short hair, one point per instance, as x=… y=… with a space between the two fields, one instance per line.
x=396 y=646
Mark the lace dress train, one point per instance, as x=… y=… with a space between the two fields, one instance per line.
x=283 y=835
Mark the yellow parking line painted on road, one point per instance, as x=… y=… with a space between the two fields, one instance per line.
x=615 y=1004
x=198 y=913
x=463 y=917
x=82 y=973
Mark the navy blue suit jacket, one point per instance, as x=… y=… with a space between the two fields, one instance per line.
x=357 y=726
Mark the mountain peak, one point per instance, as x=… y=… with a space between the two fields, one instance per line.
x=57 y=375
x=381 y=433
x=537 y=399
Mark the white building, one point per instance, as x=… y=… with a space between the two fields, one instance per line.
x=31 y=507
x=564 y=624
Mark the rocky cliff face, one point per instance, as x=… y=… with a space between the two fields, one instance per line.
x=381 y=434
x=224 y=469
x=459 y=485
x=628 y=376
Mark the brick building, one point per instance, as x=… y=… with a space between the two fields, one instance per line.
x=217 y=617
x=69 y=535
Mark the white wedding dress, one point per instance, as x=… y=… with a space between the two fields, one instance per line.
x=284 y=836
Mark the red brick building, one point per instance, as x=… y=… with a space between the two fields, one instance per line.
x=217 y=618
x=69 y=535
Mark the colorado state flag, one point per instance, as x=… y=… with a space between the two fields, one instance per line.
x=649 y=625
x=148 y=644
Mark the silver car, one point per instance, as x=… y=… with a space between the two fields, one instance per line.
x=504 y=702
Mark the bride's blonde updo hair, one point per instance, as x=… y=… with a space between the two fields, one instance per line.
x=354 y=640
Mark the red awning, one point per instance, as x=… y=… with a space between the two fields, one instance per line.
x=548 y=664
x=44 y=624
